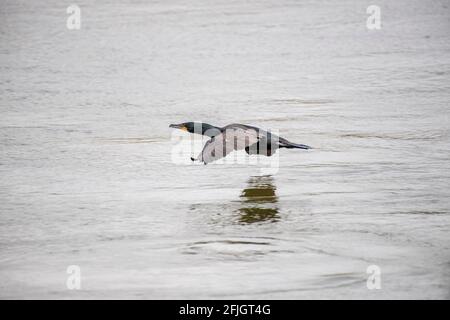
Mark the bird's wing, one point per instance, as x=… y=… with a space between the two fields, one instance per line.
x=232 y=138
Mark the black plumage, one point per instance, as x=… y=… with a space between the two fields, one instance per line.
x=235 y=137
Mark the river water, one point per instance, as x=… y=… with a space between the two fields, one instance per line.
x=87 y=176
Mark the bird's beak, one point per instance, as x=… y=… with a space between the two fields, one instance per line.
x=179 y=126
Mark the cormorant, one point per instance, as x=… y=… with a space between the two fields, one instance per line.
x=235 y=137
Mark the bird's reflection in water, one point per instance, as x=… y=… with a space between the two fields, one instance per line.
x=259 y=201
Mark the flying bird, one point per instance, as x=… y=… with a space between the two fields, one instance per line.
x=235 y=136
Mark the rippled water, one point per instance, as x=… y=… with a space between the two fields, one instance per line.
x=86 y=176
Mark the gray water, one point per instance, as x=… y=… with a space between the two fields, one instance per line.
x=86 y=176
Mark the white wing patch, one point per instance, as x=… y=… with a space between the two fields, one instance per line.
x=223 y=144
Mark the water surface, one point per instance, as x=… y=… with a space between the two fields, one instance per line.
x=86 y=176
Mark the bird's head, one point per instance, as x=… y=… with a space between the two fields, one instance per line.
x=185 y=126
x=198 y=128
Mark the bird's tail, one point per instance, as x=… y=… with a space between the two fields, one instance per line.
x=291 y=145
